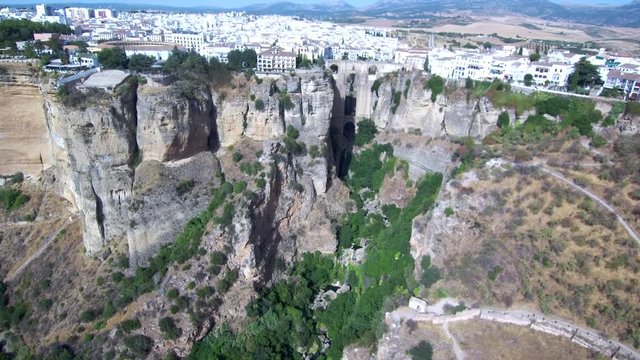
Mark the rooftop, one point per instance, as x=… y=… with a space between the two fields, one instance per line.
x=106 y=79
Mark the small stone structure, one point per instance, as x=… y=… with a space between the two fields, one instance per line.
x=418 y=305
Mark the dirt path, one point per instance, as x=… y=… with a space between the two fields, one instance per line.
x=593 y=196
x=525 y=318
x=460 y=355
x=40 y=251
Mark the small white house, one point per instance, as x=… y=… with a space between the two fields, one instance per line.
x=418 y=305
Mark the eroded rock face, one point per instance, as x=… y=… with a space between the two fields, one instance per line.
x=166 y=195
x=94 y=147
x=172 y=126
x=101 y=141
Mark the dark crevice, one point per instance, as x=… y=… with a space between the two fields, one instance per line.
x=99 y=211
x=214 y=140
x=265 y=234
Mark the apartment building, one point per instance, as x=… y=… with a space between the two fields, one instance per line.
x=628 y=82
x=78 y=13
x=191 y=41
x=276 y=61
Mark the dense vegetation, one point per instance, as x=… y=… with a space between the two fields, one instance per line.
x=12 y=30
x=367 y=130
x=281 y=318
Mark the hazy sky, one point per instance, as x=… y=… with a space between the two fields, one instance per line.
x=237 y=3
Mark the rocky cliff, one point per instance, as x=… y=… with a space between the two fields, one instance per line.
x=125 y=157
x=450 y=115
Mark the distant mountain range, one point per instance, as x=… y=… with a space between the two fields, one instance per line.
x=621 y=15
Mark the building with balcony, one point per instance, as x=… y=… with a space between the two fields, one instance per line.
x=276 y=61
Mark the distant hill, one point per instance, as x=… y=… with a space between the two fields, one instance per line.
x=624 y=15
x=620 y=15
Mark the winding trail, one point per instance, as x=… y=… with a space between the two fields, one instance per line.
x=593 y=196
x=460 y=355
x=41 y=250
x=582 y=336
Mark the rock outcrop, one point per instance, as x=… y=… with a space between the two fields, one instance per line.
x=450 y=115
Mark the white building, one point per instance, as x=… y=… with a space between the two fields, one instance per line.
x=276 y=61
x=104 y=13
x=191 y=41
x=78 y=13
x=43 y=10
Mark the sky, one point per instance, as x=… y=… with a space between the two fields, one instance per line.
x=238 y=3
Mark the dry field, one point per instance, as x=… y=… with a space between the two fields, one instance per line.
x=24 y=141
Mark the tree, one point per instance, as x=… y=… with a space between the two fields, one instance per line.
x=520 y=51
x=534 y=57
x=425 y=66
x=334 y=68
x=140 y=62
x=245 y=59
x=303 y=62
x=487 y=45
x=468 y=83
x=422 y=351
x=367 y=130
x=528 y=80
x=503 y=119
x=82 y=45
x=585 y=74
x=113 y=58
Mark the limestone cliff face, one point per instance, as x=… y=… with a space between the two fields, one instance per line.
x=304 y=102
x=120 y=156
x=110 y=146
x=94 y=147
x=450 y=115
x=172 y=126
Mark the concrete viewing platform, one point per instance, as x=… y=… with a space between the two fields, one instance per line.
x=106 y=79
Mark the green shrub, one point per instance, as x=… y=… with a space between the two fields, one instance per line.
x=130 y=325
x=205 y=292
x=396 y=98
x=292 y=132
x=367 y=131
x=184 y=186
x=88 y=315
x=108 y=310
x=598 y=140
x=448 y=212
x=376 y=86
x=122 y=261
x=493 y=274
x=236 y=157
x=173 y=293
x=422 y=351
x=503 y=119
x=261 y=183
x=259 y=104
x=286 y=102
x=239 y=186
x=139 y=344
x=45 y=304
x=218 y=258
x=117 y=276
x=430 y=274
x=17 y=178
x=11 y=198
x=436 y=85
x=227 y=282
x=169 y=328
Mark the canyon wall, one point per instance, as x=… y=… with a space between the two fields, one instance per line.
x=120 y=155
